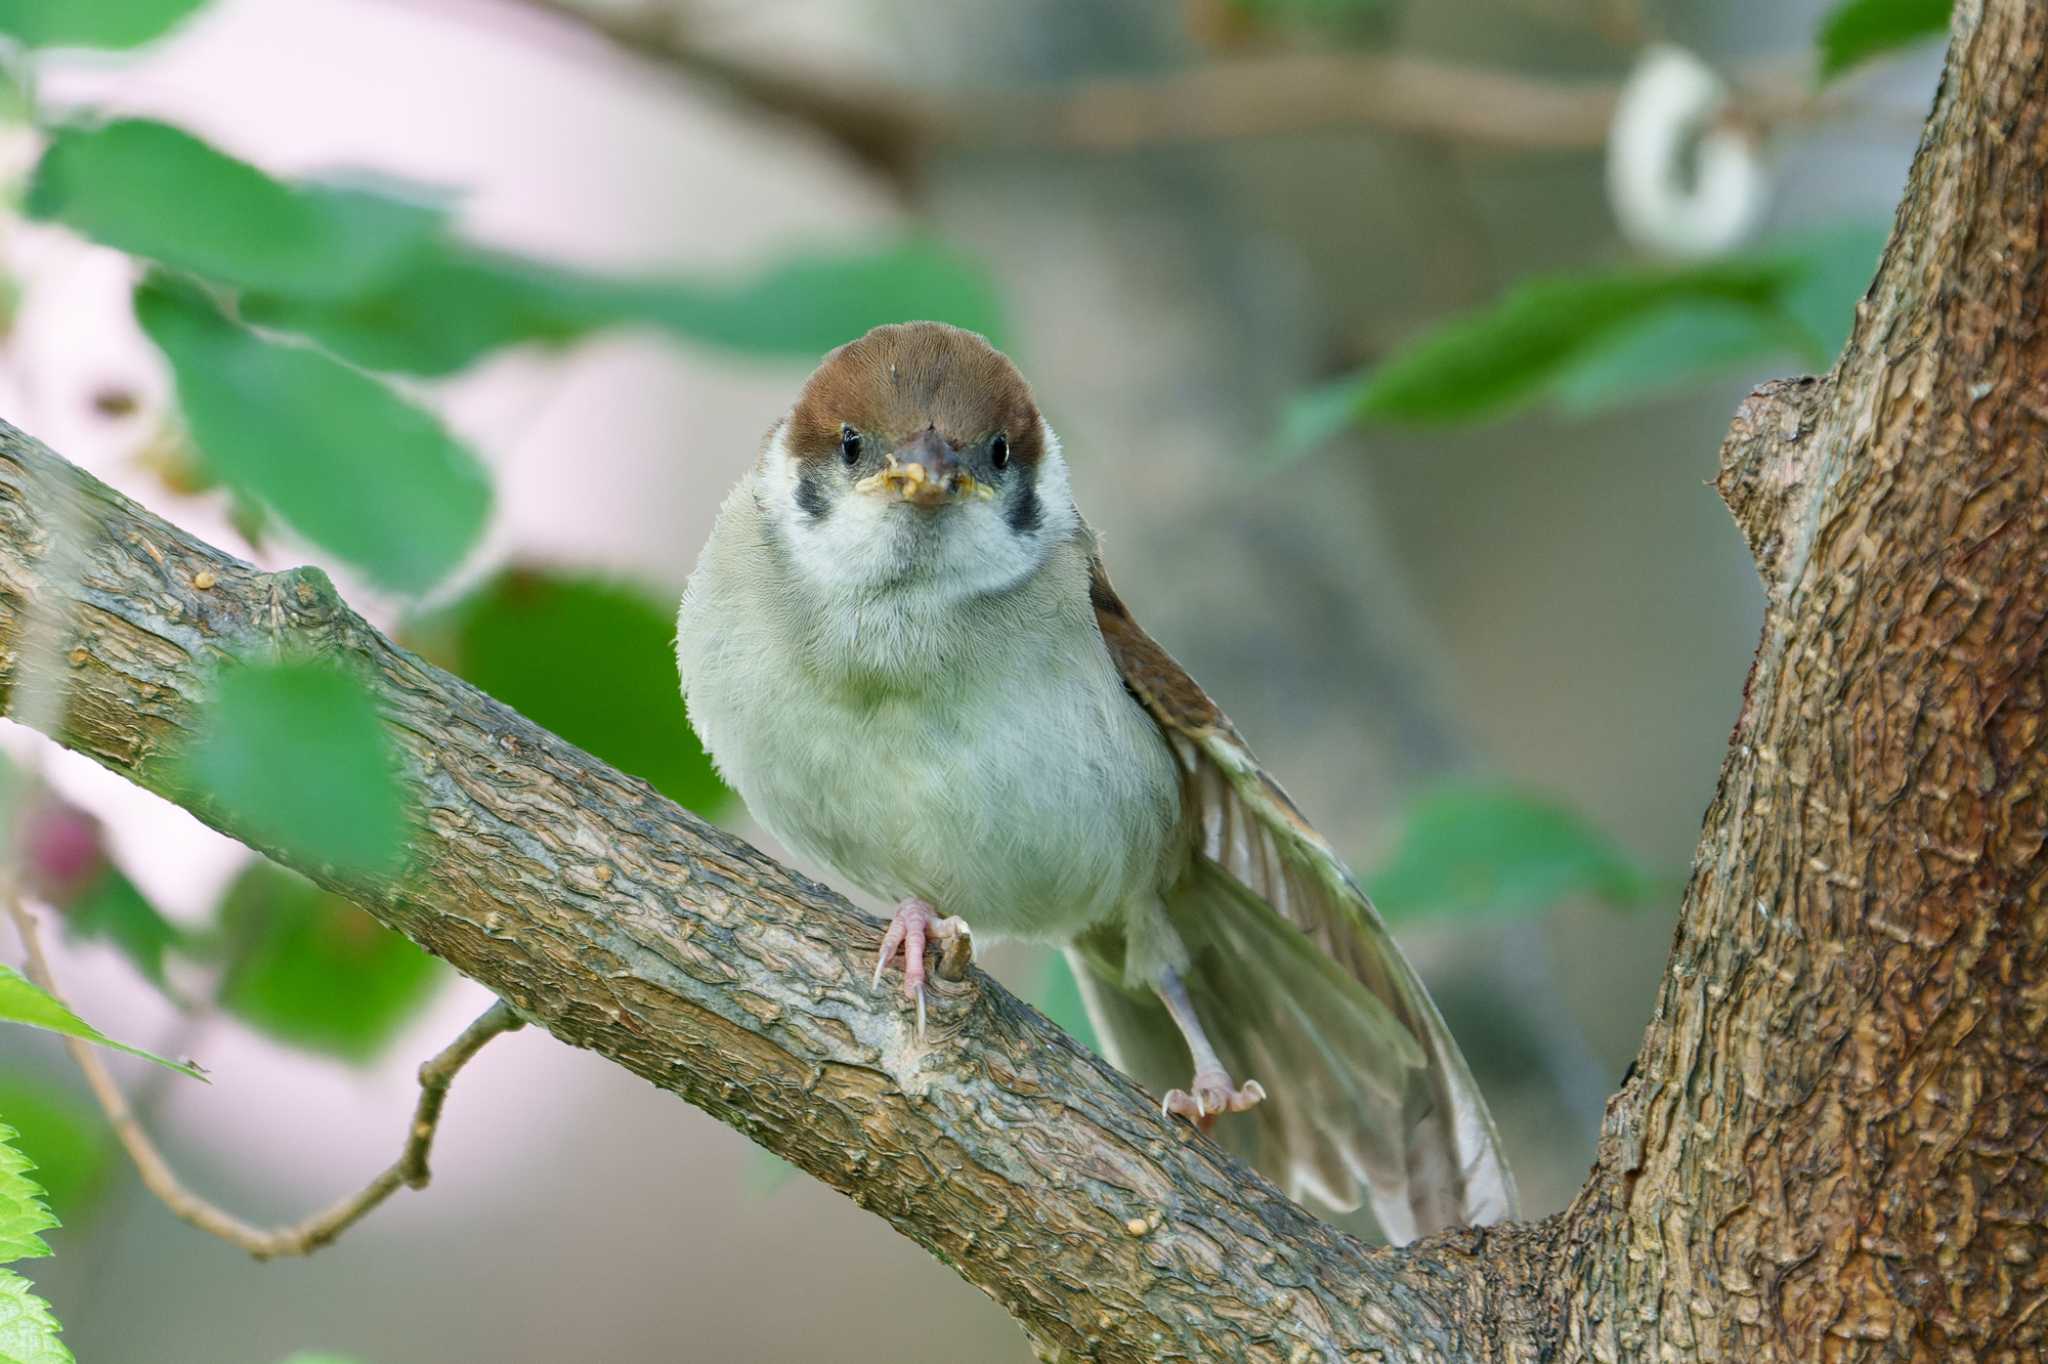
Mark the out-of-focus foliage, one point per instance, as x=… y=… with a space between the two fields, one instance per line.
x=315 y=971
x=68 y=1139
x=1857 y=30
x=1058 y=997
x=28 y=1331
x=297 y=752
x=1593 y=340
x=340 y=456
x=23 y=1001
x=321 y=1357
x=1464 y=849
x=376 y=278
x=158 y=192
x=90 y=23
x=113 y=908
x=457 y=303
x=591 y=660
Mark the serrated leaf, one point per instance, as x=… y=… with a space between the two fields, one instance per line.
x=591 y=660
x=459 y=303
x=349 y=463
x=297 y=754
x=115 y=910
x=1857 y=30
x=23 y=1001
x=1469 y=849
x=316 y=971
x=24 y=1215
x=158 y=192
x=91 y=23
x=28 y=1330
x=68 y=1139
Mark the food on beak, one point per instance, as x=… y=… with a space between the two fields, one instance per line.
x=916 y=484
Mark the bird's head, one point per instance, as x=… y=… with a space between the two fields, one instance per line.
x=916 y=456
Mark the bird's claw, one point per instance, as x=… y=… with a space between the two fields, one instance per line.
x=915 y=924
x=1211 y=1094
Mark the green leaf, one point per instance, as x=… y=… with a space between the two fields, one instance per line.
x=316 y=971
x=23 y=1001
x=115 y=910
x=1857 y=30
x=28 y=1331
x=1468 y=849
x=1487 y=361
x=70 y=1141
x=350 y=464
x=156 y=191
x=24 y=1216
x=593 y=661
x=1671 y=350
x=459 y=303
x=91 y=23
x=296 y=752
x=1058 y=997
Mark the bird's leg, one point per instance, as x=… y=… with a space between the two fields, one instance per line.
x=915 y=923
x=1211 y=1093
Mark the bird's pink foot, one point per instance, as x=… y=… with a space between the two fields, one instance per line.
x=915 y=924
x=1209 y=1096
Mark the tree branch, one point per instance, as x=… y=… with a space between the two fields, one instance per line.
x=300 y=1238
x=621 y=923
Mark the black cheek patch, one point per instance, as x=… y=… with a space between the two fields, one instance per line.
x=810 y=495
x=1024 y=513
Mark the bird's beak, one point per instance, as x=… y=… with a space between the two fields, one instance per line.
x=925 y=472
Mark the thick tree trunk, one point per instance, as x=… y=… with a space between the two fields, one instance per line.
x=1834 y=1144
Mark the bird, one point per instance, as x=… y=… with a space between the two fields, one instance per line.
x=901 y=647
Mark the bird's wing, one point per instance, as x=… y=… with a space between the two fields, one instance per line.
x=1448 y=1170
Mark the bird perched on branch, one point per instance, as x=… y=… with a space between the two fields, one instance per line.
x=902 y=649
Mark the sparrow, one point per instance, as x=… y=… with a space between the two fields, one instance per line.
x=901 y=647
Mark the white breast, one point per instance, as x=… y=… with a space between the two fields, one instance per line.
x=982 y=755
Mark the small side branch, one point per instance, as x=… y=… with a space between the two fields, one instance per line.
x=299 y=1238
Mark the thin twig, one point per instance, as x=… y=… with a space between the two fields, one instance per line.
x=300 y=1238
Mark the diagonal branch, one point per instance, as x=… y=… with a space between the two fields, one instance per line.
x=619 y=922
x=321 y=1228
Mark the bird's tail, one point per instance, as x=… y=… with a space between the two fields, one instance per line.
x=1367 y=1095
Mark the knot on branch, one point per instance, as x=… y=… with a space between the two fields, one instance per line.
x=1767 y=467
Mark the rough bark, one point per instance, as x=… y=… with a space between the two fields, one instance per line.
x=1834 y=1143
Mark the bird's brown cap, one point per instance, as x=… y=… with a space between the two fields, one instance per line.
x=902 y=378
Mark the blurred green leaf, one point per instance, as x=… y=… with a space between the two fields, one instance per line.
x=315 y=970
x=1484 y=362
x=1467 y=849
x=28 y=1330
x=1593 y=341
x=115 y=910
x=68 y=1139
x=297 y=752
x=1671 y=350
x=1857 y=30
x=91 y=23
x=349 y=463
x=23 y=1001
x=156 y=191
x=1058 y=997
x=592 y=661
x=459 y=303
x=321 y=1357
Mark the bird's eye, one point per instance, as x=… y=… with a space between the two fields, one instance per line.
x=849 y=445
x=999 y=451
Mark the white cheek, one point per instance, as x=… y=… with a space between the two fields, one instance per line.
x=865 y=542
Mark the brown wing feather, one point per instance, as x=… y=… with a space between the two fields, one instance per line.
x=1447 y=1169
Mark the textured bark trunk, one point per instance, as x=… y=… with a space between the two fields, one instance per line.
x=1834 y=1144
